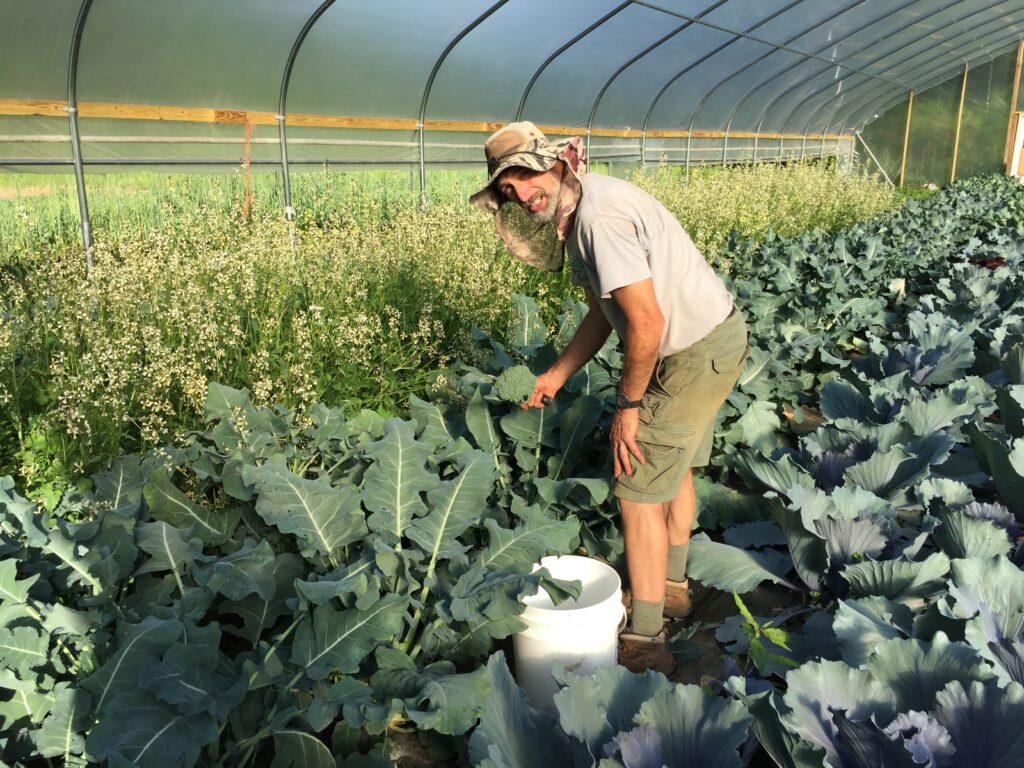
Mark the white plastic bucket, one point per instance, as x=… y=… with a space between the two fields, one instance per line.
x=582 y=634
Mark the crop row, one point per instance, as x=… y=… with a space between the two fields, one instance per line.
x=287 y=585
x=358 y=307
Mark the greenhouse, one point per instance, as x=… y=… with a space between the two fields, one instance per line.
x=303 y=462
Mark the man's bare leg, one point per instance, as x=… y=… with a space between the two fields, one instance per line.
x=680 y=513
x=646 y=537
x=649 y=530
x=644 y=645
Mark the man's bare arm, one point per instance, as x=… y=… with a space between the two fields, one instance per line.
x=644 y=324
x=591 y=335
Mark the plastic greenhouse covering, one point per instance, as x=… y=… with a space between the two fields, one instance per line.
x=391 y=82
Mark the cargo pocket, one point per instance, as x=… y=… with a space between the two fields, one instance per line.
x=665 y=437
x=731 y=361
x=676 y=372
x=649 y=406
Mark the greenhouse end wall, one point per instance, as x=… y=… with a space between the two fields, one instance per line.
x=933 y=119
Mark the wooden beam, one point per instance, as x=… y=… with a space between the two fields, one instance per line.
x=27 y=108
x=1011 y=129
x=106 y=110
x=959 y=120
x=906 y=139
x=181 y=114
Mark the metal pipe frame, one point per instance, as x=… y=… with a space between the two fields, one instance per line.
x=859 y=51
x=880 y=59
x=821 y=153
x=629 y=62
x=928 y=84
x=872 y=154
x=737 y=35
x=289 y=210
x=895 y=100
x=784 y=46
x=847 y=111
x=714 y=89
x=76 y=143
x=566 y=46
x=854 y=114
x=828 y=86
x=430 y=84
x=728 y=124
x=23 y=162
x=1005 y=45
x=879 y=104
x=978 y=61
x=831 y=44
x=654 y=102
x=665 y=87
x=851 y=113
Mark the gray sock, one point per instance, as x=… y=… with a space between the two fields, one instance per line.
x=677 y=562
x=647 y=617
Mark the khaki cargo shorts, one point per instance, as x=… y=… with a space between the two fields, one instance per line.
x=677 y=416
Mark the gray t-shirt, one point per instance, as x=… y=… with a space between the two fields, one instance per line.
x=621 y=236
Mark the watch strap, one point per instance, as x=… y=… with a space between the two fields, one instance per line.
x=621 y=401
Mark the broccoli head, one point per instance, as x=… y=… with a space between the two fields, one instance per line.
x=515 y=384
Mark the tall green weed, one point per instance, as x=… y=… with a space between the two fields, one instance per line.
x=376 y=294
x=752 y=199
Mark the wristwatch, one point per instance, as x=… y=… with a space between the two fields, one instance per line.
x=621 y=401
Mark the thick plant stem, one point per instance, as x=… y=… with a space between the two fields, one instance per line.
x=256 y=738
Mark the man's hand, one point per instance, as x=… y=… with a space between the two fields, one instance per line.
x=548 y=384
x=623 y=440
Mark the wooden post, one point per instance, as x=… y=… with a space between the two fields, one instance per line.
x=1011 y=129
x=959 y=119
x=247 y=162
x=906 y=138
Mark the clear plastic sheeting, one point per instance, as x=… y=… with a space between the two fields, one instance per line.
x=932 y=140
x=392 y=82
x=986 y=106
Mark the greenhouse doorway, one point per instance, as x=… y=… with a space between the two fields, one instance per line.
x=1017 y=159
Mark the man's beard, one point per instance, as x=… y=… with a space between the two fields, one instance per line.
x=546 y=214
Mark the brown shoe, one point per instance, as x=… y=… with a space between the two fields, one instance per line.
x=638 y=653
x=677 y=599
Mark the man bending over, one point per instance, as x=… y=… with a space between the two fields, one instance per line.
x=684 y=345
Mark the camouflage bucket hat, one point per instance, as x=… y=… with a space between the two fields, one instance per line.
x=522 y=145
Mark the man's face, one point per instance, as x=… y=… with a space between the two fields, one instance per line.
x=536 y=191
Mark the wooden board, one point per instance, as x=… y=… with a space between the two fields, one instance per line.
x=23 y=107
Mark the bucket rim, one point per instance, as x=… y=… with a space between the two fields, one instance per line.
x=553 y=615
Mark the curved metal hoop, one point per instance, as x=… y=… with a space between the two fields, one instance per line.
x=289 y=210
x=798 y=107
x=852 y=113
x=76 y=140
x=569 y=44
x=430 y=84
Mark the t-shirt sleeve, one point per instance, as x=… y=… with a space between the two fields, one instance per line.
x=619 y=258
